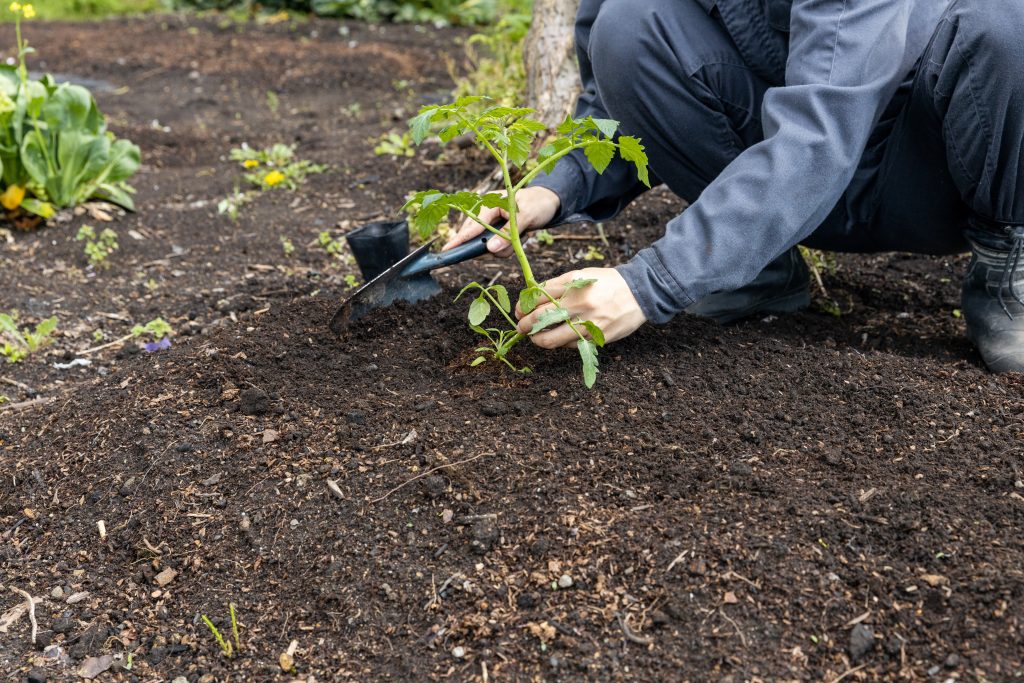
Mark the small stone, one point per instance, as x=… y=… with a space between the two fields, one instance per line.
x=862 y=641
x=36 y=676
x=425 y=406
x=184 y=447
x=335 y=489
x=57 y=593
x=180 y=679
x=952 y=661
x=77 y=597
x=447 y=515
x=356 y=417
x=458 y=652
x=485 y=535
x=270 y=435
x=565 y=581
x=286 y=662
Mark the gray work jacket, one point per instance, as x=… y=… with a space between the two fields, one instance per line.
x=838 y=65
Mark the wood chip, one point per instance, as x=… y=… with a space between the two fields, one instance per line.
x=94 y=666
x=335 y=489
x=77 y=597
x=730 y=598
x=165 y=577
x=271 y=435
x=934 y=580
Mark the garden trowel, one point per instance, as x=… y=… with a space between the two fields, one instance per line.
x=392 y=273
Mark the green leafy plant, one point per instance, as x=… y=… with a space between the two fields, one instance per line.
x=351 y=281
x=819 y=263
x=507 y=134
x=98 y=248
x=495 y=56
x=19 y=343
x=55 y=149
x=158 y=328
x=545 y=237
x=395 y=145
x=330 y=245
x=266 y=169
x=287 y=246
x=593 y=254
x=226 y=646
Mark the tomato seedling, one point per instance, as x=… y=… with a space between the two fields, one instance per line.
x=508 y=134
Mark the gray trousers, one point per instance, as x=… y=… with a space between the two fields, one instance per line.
x=951 y=144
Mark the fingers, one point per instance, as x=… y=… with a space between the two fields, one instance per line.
x=470 y=229
x=555 y=337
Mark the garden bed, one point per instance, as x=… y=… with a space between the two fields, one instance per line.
x=793 y=498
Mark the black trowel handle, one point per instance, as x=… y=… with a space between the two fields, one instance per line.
x=464 y=252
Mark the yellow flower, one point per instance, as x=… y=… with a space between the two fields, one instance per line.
x=15 y=7
x=28 y=11
x=12 y=197
x=273 y=178
x=250 y=163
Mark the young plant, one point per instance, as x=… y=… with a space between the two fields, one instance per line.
x=19 y=343
x=287 y=246
x=98 y=248
x=158 y=330
x=507 y=134
x=330 y=245
x=395 y=145
x=226 y=646
x=275 y=166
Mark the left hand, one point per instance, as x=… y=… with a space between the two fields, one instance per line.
x=608 y=303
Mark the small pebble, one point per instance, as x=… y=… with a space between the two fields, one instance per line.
x=565 y=581
x=458 y=652
x=57 y=593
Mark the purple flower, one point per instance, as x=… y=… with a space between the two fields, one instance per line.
x=164 y=343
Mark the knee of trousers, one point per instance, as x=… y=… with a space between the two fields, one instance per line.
x=989 y=34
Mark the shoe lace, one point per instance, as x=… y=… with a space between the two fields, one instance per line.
x=1013 y=261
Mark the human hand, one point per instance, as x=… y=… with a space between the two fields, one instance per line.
x=536 y=206
x=608 y=303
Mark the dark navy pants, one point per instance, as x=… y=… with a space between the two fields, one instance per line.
x=952 y=145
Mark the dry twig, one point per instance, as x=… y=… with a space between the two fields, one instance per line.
x=31 y=610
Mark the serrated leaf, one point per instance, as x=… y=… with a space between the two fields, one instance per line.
x=595 y=332
x=478 y=311
x=528 y=299
x=530 y=126
x=606 y=126
x=419 y=125
x=567 y=126
x=493 y=200
x=550 y=150
x=519 y=145
x=580 y=283
x=477 y=361
x=428 y=218
x=501 y=294
x=632 y=151
x=588 y=354
x=467 y=100
x=600 y=154
x=548 y=318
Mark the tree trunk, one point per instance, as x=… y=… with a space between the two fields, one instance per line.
x=552 y=75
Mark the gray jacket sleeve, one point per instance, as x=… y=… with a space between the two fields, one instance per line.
x=574 y=180
x=846 y=59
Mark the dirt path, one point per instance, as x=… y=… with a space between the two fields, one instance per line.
x=802 y=498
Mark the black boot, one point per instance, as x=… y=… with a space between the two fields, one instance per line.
x=782 y=287
x=992 y=294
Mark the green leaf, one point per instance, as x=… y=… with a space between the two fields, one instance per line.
x=600 y=154
x=465 y=289
x=528 y=299
x=580 y=283
x=477 y=361
x=550 y=150
x=548 y=318
x=595 y=332
x=606 y=126
x=567 y=126
x=428 y=218
x=501 y=294
x=419 y=125
x=493 y=200
x=478 y=311
x=519 y=145
x=588 y=354
x=632 y=151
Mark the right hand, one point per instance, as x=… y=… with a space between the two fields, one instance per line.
x=536 y=207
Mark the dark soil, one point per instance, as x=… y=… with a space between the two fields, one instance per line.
x=804 y=498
